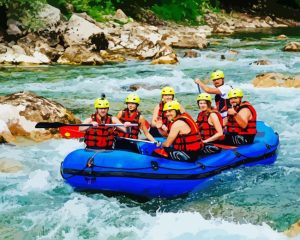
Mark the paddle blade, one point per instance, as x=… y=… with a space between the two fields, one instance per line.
x=71 y=132
x=49 y=125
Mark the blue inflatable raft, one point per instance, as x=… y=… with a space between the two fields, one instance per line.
x=142 y=175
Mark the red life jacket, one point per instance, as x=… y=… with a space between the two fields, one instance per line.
x=134 y=118
x=221 y=103
x=233 y=127
x=162 y=114
x=207 y=130
x=192 y=140
x=101 y=136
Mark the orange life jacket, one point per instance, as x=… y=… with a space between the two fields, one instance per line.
x=134 y=118
x=233 y=127
x=207 y=130
x=162 y=114
x=192 y=140
x=101 y=136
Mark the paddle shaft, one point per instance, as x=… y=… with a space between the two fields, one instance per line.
x=136 y=140
x=59 y=124
x=146 y=141
x=199 y=89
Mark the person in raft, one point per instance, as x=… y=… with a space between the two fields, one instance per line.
x=241 y=125
x=183 y=135
x=220 y=90
x=131 y=114
x=159 y=116
x=210 y=123
x=101 y=137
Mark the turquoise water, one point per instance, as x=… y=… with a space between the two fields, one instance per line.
x=244 y=203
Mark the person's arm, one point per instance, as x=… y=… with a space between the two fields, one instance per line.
x=162 y=129
x=145 y=129
x=154 y=116
x=217 y=125
x=206 y=88
x=117 y=121
x=182 y=110
x=243 y=117
x=175 y=129
x=119 y=115
x=87 y=121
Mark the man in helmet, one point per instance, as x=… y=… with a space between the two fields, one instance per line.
x=132 y=115
x=241 y=125
x=100 y=137
x=221 y=91
x=184 y=134
x=159 y=116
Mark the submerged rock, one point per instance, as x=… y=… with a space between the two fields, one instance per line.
x=276 y=80
x=21 y=111
x=191 y=54
x=261 y=62
x=10 y=166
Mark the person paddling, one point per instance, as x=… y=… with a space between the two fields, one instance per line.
x=101 y=137
x=131 y=114
x=159 y=116
x=221 y=91
x=184 y=135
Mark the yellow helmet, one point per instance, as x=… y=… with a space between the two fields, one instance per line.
x=173 y=105
x=167 y=91
x=216 y=75
x=101 y=103
x=133 y=98
x=204 y=96
x=235 y=93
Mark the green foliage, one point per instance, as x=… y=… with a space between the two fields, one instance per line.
x=297 y=2
x=25 y=11
x=182 y=11
x=94 y=8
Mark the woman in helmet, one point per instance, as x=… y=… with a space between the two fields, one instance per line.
x=100 y=136
x=221 y=91
x=131 y=114
x=209 y=121
x=184 y=134
x=241 y=125
x=159 y=119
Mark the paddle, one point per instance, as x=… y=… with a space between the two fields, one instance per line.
x=214 y=144
x=223 y=146
x=59 y=124
x=136 y=140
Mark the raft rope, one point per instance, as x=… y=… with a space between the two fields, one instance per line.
x=154 y=165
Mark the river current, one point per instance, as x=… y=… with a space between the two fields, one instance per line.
x=245 y=203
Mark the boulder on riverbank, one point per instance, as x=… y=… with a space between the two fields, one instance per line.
x=292 y=47
x=293 y=230
x=21 y=111
x=81 y=39
x=276 y=80
x=225 y=23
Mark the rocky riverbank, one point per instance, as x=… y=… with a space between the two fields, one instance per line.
x=82 y=40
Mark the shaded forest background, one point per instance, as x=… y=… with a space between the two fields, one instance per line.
x=182 y=11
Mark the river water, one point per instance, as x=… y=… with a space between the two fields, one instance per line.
x=245 y=203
